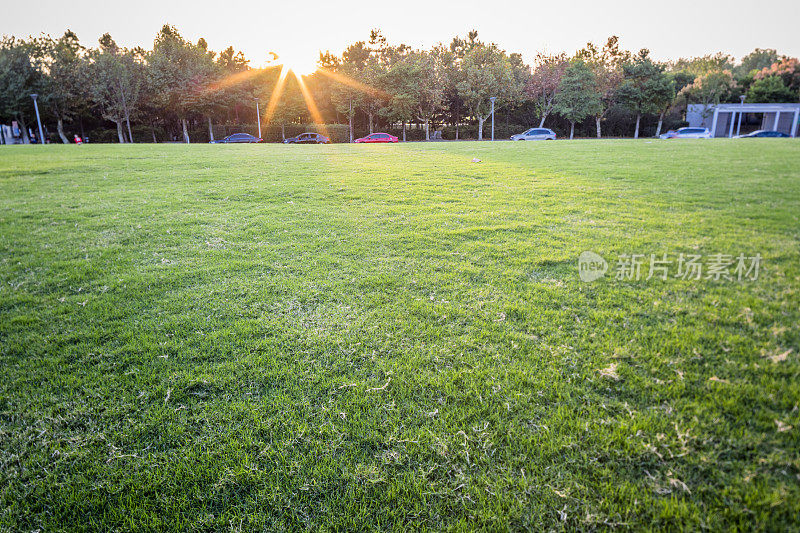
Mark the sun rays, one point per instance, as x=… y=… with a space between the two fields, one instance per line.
x=280 y=85
x=350 y=82
x=311 y=105
x=234 y=79
x=276 y=94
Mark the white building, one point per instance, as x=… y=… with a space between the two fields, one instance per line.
x=725 y=120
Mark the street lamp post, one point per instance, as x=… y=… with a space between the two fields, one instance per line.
x=741 y=112
x=258 y=117
x=492 y=99
x=38 y=120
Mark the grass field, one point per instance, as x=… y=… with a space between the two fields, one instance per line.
x=395 y=338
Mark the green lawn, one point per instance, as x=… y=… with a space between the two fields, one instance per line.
x=395 y=338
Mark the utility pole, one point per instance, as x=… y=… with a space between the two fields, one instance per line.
x=258 y=117
x=492 y=99
x=739 y=125
x=350 y=117
x=38 y=120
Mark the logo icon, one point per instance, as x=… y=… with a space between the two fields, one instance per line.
x=591 y=266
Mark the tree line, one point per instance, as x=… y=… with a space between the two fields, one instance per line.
x=180 y=89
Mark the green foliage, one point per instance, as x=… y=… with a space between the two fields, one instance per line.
x=578 y=97
x=771 y=90
x=20 y=76
x=486 y=72
x=116 y=80
x=181 y=85
x=788 y=70
x=180 y=73
x=65 y=92
x=645 y=87
x=545 y=82
x=710 y=89
x=704 y=65
x=757 y=60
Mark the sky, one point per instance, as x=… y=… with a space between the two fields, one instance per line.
x=300 y=29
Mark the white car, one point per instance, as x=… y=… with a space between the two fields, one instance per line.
x=687 y=133
x=535 y=134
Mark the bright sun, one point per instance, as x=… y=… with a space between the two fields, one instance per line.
x=297 y=62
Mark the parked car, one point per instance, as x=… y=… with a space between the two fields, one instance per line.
x=238 y=138
x=378 y=138
x=535 y=134
x=687 y=133
x=762 y=133
x=308 y=138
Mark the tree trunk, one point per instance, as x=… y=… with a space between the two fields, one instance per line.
x=638 y=120
x=350 y=123
x=283 y=131
x=458 y=116
x=370 y=122
x=125 y=110
x=24 y=129
x=185 y=131
x=60 y=126
x=660 y=123
x=481 y=120
x=571 y=130
x=427 y=130
x=210 y=129
x=597 y=124
x=120 y=135
x=541 y=122
x=350 y=120
x=404 y=131
x=153 y=130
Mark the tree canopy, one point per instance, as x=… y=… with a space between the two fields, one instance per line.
x=180 y=90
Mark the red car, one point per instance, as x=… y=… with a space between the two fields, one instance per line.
x=378 y=138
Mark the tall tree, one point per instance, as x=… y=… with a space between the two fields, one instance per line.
x=545 y=82
x=486 y=72
x=115 y=83
x=645 y=87
x=427 y=85
x=709 y=90
x=606 y=63
x=20 y=76
x=578 y=96
x=181 y=72
x=344 y=96
x=65 y=80
x=404 y=100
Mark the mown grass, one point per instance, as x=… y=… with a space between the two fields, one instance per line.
x=394 y=338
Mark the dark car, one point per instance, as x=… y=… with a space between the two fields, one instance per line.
x=763 y=133
x=238 y=138
x=308 y=138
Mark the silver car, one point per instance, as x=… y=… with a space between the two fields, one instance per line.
x=687 y=133
x=535 y=134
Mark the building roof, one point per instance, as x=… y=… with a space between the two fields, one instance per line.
x=746 y=108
